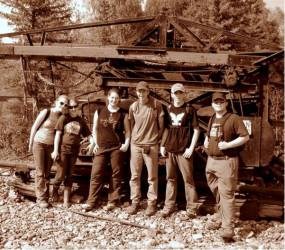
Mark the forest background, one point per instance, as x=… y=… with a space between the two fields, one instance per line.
x=248 y=17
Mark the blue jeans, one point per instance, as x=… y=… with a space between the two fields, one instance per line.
x=43 y=161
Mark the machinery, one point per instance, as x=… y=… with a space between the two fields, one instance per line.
x=170 y=49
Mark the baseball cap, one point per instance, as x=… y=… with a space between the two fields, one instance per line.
x=142 y=85
x=218 y=95
x=177 y=87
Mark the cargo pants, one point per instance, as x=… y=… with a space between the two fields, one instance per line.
x=222 y=175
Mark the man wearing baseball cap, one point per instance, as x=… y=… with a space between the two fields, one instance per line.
x=178 y=145
x=146 y=119
x=226 y=133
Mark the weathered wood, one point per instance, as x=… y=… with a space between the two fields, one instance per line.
x=115 y=220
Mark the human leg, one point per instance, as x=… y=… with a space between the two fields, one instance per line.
x=171 y=185
x=151 y=162
x=43 y=164
x=96 y=179
x=186 y=167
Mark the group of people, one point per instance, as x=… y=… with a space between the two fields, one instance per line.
x=147 y=129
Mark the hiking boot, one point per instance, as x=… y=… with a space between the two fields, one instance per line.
x=166 y=212
x=213 y=225
x=133 y=209
x=43 y=204
x=227 y=233
x=87 y=207
x=191 y=213
x=110 y=206
x=150 y=210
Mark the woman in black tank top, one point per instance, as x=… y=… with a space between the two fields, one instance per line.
x=111 y=136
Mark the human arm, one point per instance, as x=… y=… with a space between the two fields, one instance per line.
x=189 y=151
x=57 y=137
x=95 y=132
x=40 y=118
x=206 y=142
x=234 y=143
x=124 y=147
x=162 y=145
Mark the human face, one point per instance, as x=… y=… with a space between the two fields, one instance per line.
x=219 y=105
x=73 y=109
x=113 y=99
x=143 y=94
x=178 y=97
x=62 y=105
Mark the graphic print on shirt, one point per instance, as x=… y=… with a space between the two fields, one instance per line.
x=110 y=121
x=72 y=128
x=176 y=119
x=216 y=130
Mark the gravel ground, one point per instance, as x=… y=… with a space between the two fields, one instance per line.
x=26 y=226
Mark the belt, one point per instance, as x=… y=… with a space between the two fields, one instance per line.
x=221 y=157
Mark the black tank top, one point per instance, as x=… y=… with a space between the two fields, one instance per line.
x=110 y=128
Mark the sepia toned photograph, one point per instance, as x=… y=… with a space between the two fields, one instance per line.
x=142 y=124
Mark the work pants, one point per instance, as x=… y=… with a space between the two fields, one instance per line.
x=138 y=158
x=116 y=157
x=222 y=179
x=176 y=162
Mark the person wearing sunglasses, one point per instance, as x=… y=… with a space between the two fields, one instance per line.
x=111 y=137
x=41 y=144
x=70 y=128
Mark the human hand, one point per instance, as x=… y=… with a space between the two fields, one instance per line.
x=95 y=149
x=163 y=151
x=222 y=145
x=54 y=155
x=124 y=147
x=188 y=152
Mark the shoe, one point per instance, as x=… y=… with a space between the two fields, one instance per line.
x=43 y=204
x=227 y=233
x=166 y=212
x=150 y=210
x=191 y=213
x=110 y=206
x=213 y=225
x=87 y=207
x=133 y=209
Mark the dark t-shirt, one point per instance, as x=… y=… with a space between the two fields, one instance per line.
x=233 y=128
x=110 y=128
x=73 y=129
x=180 y=121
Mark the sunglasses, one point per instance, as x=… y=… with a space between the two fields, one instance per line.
x=219 y=101
x=63 y=104
x=73 y=107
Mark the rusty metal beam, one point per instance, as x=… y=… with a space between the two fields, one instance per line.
x=79 y=26
x=240 y=37
x=166 y=84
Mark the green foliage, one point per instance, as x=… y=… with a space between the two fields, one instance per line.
x=105 y=10
x=36 y=14
x=175 y=7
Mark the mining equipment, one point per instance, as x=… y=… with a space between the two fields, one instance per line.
x=170 y=49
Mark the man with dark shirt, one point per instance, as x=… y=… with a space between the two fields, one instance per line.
x=226 y=133
x=179 y=143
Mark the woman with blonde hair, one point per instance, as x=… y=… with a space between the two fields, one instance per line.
x=41 y=144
